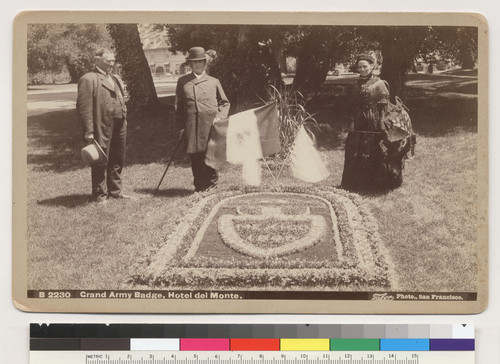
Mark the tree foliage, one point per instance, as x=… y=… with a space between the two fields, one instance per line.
x=398 y=47
x=53 y=46
x=251 y=57
x=318 y=49
x=458 y=44
x=135 y=69
x=246 y=58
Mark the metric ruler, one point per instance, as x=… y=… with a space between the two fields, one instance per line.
x=251 y=344
x=245 y=357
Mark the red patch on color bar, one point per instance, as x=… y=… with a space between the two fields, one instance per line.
x=255 y=344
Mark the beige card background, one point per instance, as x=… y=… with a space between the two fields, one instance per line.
x=212 y=306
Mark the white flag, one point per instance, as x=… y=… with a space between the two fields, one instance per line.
x=244 y=147
x=243 y=142
x=244 y=138
x=305 y=161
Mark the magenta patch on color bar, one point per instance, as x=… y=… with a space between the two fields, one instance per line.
x=204 y=344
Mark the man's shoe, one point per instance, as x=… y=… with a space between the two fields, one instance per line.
x=98 y=201
x=122 y=196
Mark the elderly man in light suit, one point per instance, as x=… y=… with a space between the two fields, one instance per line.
x=102 y=111
x=199 y=101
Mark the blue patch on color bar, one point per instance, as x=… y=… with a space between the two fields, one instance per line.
x=452 y=345
x=404 y=344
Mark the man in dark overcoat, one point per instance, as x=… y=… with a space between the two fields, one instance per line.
x=199 y=101
x=102 y=111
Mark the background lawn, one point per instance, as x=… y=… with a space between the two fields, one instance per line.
x=428 y=225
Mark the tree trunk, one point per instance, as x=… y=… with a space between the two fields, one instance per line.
x=242 y=47
x=468 y=62
x=282 y=64
x=311 y=74
x=394 y=67
x=312 y=68
x=260 y=68
x=414 y=67
x=278 y=55
x=304 y=61
x=73 y=72
x=135 y=69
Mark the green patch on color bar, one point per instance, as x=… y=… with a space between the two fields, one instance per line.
x=305 y=344
x=355 y=345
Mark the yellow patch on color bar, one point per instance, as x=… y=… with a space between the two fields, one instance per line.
x=304 y=344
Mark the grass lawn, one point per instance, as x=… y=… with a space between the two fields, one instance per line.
x=428 y=225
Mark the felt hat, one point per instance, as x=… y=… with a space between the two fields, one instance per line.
x=93 y=154
x=196 y=54
x=365 y=57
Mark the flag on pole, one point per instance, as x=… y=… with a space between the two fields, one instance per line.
x=305 y=161
x=244 y=138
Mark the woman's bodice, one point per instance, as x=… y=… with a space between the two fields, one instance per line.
x=372 y=97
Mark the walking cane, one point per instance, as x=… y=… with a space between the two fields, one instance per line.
x=169 y=163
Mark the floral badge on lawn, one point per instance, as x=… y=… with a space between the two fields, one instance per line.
x=283 y=238
x=267 y=229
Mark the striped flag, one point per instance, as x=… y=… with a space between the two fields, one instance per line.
x=243 y=139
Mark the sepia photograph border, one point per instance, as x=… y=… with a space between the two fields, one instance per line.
x=322 y=306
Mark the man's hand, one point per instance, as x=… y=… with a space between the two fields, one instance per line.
x=89 y=137
x=216 y=119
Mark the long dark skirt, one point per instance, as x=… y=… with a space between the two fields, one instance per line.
x=372 y=163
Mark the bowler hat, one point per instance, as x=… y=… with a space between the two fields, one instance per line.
x=196 y=54
x=93 y=154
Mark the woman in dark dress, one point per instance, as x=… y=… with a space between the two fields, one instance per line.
x=373 y=159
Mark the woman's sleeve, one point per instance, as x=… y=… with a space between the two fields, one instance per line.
x=382 y=92
x=383 y=106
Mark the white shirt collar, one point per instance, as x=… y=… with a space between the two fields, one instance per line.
x=100 y=70
x=199 y=76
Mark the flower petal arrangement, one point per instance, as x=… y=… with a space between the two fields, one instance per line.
x=280 y=238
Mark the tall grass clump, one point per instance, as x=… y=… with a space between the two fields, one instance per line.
x=292 y=114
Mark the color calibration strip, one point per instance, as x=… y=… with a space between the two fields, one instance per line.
x=254 y=344
x=144 y=337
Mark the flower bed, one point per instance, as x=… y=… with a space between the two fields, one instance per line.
x=277 y=232
x=281 y=238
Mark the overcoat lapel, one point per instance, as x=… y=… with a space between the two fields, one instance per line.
x=191 y=78
x=105 y=82
x=118 y=83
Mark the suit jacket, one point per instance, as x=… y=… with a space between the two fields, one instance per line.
x=197 y=104
x=96 y=103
